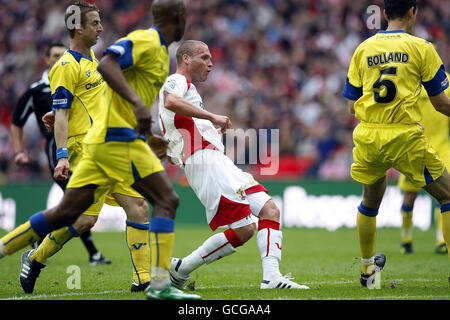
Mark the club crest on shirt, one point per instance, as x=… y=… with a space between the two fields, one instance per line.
x=171 y=84
x=241 y=193
x=88 y=73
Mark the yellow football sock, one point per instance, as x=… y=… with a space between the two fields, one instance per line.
x=445 y=215
x=33 y=230
x=19 y=238
x=438 y=222
x=52 y=243
x=137 y=241
x=367 y=225
x=407 y=224
x=162 y=238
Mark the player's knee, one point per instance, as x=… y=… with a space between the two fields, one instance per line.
x=141 y=211
x=144 y=209
x=246 y=233
x=270 y=211
x=251 y=230
x=84 y=223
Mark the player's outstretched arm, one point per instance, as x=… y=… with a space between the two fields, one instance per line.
x=110 y=69
x=183 y=107
x=441 y=103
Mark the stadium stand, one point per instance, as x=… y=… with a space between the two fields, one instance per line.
x=278 y=65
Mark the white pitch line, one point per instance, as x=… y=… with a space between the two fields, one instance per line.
x=390 y=280
x=72 y=294
x=67 y=294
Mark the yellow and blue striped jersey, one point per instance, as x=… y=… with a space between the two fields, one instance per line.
x=435 y=123
x=77 y=85
x=144 y=60
x=386 y=75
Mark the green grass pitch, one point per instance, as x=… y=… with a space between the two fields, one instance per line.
x=325 y=261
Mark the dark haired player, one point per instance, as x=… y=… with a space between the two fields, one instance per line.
x=384 y=83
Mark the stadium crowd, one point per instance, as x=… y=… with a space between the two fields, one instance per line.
x=278 y=64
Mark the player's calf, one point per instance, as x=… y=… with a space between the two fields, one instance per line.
x=214 y=248
x=244 y=233
x=73 y=204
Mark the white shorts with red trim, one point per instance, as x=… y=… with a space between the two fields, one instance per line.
x=223 y=188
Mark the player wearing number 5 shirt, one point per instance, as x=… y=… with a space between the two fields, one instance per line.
x=385 y=79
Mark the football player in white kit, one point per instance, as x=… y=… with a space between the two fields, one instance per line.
x=231 y=197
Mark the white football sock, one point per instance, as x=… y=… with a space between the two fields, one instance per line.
x=214 y=248
x=269 y=244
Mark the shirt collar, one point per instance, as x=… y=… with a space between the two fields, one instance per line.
x=392 y=31
x=161 y=37
x=77 y=55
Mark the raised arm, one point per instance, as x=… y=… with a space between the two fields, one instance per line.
x=183 y=107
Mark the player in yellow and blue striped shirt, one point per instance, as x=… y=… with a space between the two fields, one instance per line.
x=116 y=152
x=144 y=59
x=385 y=78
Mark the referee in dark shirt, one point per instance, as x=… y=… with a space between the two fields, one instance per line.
x=37 y=99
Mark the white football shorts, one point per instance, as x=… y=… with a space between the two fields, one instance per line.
x=228 y=193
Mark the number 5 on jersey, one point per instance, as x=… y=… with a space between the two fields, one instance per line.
x=391 y=88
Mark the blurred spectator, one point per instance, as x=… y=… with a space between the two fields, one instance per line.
x=278 y=64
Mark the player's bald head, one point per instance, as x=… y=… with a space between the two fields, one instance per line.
x=164 y=11
x=188 y=47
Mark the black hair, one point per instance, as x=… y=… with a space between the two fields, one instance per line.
x=52 y=45
x=398 y=8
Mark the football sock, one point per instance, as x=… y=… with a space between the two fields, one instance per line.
x=162 y=238
x=86 y=237
x=137 y=236
x=438 y=221
x=445 y=214
x=33 y=230
x=269 y=240
x=52 y=243
x=368 y=265
x=407 y=223
x=215 y=247
x=367 y=225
